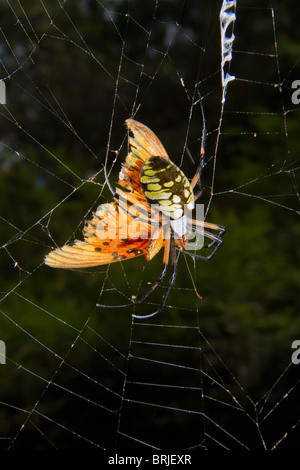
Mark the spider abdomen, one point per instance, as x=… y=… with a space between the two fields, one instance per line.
x=166 y=186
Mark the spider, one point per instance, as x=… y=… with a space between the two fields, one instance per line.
x=148 y=212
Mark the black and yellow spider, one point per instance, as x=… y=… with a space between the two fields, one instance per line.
x=148 y=213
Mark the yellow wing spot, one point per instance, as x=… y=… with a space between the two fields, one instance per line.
x=158 y=195
x=147 y=179
x=153 y=187
x=176 y=198
x=178 y=179
x=147 y=166
x=150 y=172
x=167 y=167
x=169 y=184
x=165 y=202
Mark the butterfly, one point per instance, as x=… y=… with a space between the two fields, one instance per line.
x=149 y=211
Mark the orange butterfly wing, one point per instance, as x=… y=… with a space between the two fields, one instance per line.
x=108 y=237
x=105 y=241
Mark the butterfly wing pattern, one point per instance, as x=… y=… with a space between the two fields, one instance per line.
x=107 y=236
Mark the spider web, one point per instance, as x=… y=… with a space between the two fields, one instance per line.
x=215 y=373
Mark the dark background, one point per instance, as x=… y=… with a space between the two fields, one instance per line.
x=219 y=373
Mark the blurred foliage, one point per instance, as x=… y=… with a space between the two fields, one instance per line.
x=55 y=132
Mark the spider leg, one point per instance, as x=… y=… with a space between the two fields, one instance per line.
x=198 y=195
x=217 y=241
x=206 y=258
x=198 y=224
x=197 y=176
x=196 y=179
x=171 y=281
x=154 y=284
x=192 y=279
x=159 y=278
